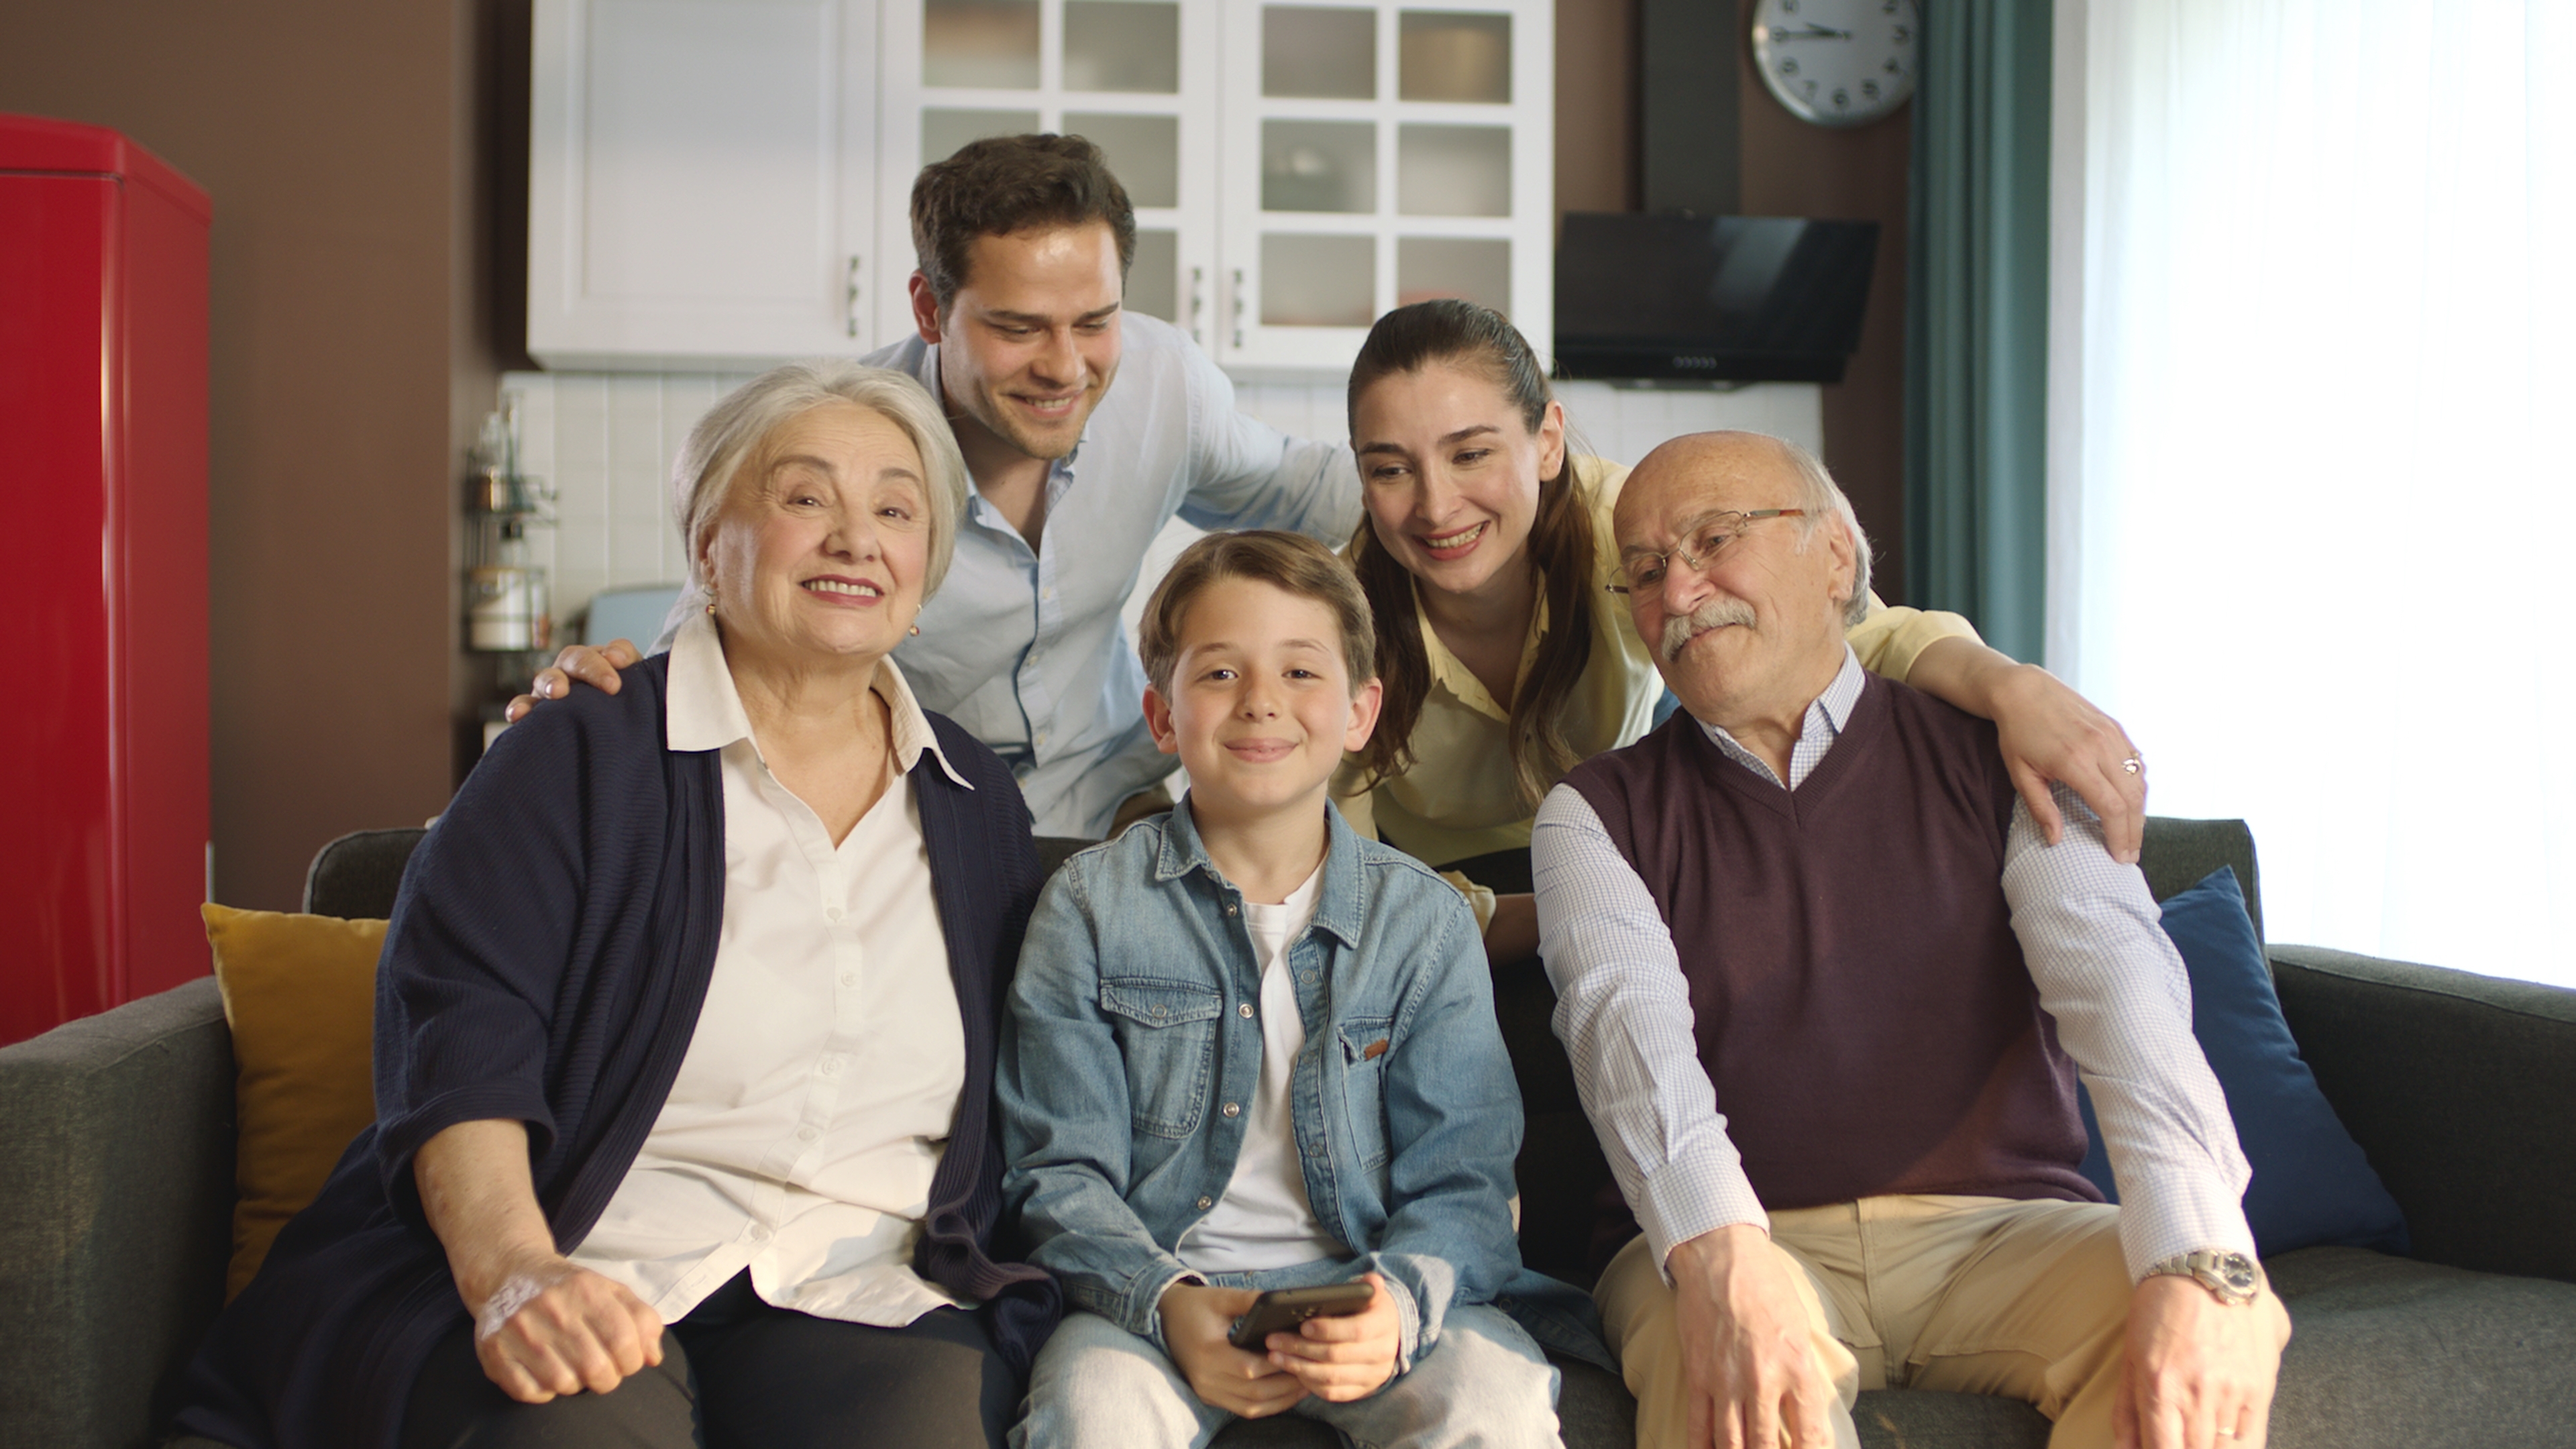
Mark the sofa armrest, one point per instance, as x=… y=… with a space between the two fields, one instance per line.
x=2462 y=1090
x=116 y=1196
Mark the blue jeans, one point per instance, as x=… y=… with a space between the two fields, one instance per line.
x=1483 y=1384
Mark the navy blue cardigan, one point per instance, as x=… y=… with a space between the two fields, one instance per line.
x=547 y=958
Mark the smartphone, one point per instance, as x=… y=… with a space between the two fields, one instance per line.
x=1281 y=1309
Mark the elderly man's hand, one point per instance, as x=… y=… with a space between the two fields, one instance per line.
x=2199 y=1374
x=1753 y=1378
x=596 y=667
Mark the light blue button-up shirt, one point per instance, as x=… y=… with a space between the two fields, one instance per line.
x=1025 y=647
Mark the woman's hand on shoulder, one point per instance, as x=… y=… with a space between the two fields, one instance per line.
x=2049 y=732
x=596 y=667
x=550 y=1327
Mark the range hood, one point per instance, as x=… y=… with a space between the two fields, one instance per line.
x=1718 y=298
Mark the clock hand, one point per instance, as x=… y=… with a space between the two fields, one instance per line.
x=1812 y=32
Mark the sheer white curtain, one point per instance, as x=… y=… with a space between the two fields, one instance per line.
x=2313 y=447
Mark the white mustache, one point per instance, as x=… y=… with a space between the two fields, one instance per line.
x=1680 y=629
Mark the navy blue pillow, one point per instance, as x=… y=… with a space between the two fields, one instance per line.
x=2311 y=1184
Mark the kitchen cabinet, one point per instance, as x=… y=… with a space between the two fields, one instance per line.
x=701 y=183
x=723 y=183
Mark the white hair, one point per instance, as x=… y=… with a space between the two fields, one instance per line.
x=735 y=429
x=1823 y=498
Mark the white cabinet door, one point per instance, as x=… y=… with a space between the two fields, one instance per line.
x=1136 y=76
x=701 y=183
x=1377 y=154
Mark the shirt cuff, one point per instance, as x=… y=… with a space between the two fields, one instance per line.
x=2178 y=1213
x=1692 y=1195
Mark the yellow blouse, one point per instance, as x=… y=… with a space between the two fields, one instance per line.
x=1460 y=797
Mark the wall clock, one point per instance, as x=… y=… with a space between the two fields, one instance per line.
x=1836 y=62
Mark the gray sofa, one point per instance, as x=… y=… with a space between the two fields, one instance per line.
x=116 y=1162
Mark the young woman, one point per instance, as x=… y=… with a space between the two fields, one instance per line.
x=1485 y=555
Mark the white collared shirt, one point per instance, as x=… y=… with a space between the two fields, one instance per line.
x=800 y=1137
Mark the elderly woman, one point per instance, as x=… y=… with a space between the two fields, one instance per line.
x=685 y=1024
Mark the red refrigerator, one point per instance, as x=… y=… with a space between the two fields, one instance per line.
x=103 y=856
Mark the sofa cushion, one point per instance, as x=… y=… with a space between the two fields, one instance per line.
x=300 y=995
x=2392 y=1352
x=2311 y=1183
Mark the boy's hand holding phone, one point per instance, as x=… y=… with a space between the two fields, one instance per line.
x=1342 y=1359
x=1196 y=1320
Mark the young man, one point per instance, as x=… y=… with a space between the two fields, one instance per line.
x=1024 y=243
x=1247 y=1050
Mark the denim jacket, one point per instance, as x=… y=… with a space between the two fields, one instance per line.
x=1133 y=1038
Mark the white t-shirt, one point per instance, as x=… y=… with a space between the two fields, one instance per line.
x=1265 y=1220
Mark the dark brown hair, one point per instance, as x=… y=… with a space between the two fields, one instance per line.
x=1462 y=334
x=1003 y=184
x=1289 y=562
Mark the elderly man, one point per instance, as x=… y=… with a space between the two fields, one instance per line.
x=1821 y=978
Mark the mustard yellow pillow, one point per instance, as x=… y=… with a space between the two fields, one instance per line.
x=300 y=994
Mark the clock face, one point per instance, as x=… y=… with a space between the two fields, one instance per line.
x=1836 y=62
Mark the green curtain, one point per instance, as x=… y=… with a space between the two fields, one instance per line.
x=1976 y=319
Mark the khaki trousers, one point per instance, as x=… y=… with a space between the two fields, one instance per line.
x=1966 y=1294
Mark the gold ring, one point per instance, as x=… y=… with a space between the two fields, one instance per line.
x=2133 y=765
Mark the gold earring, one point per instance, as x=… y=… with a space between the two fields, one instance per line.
x=916 y=631
x=711 y=608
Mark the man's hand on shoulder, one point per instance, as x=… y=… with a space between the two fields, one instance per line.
x=596 y=667
x=1746 y=1351
x=2199 y=1373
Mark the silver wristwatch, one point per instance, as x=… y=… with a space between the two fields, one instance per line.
x=2231 y=1278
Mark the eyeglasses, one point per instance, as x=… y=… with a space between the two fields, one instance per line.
x=1642 y=570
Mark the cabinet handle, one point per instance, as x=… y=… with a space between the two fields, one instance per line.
x=1238 y=309
x=1198 y=303
x=854 y=294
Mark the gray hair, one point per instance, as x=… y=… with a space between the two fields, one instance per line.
x=1823 y=498
x=732 y=433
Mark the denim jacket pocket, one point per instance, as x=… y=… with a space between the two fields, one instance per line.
x=1167 y=1033
x=1365 y=1042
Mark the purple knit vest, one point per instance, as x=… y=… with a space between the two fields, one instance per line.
x=1861 y=1003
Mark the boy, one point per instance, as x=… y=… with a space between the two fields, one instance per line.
x=1247 y=1049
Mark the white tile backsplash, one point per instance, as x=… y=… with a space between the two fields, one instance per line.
x=604 y=443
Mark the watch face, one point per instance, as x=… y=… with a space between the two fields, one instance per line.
x=2236 y=1271
x=1836 y=62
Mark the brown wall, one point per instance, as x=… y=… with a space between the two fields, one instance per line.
x=1596 y=105
x=342 y=381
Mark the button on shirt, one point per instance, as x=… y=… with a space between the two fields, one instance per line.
x=2089 y=933
x=1024 y=647
x=809 y=1114
x=1265 y=1219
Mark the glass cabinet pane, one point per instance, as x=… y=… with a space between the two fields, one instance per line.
x=1144 y=152
x=943 y=131
x=1318 y=281
x=1318 y=166
x=988 y=43
x=1453 y=170
x=1314 y=51
x=1122 y=45
x=1428 y=267
x=1448 y=55
x=1154 y=278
